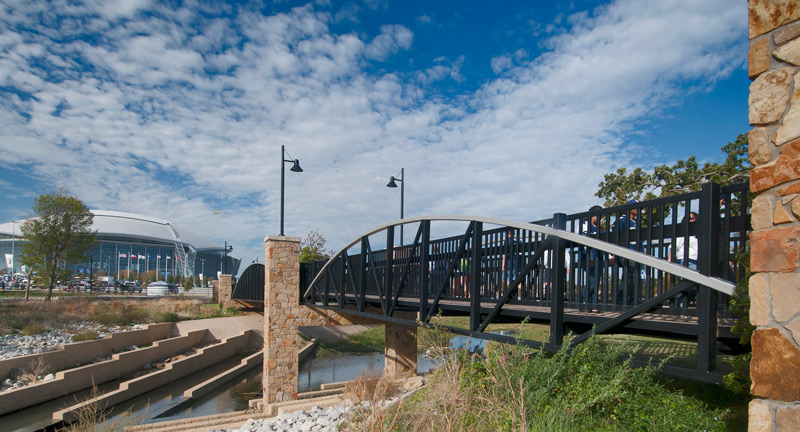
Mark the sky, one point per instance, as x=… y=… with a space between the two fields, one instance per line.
x=507 y=109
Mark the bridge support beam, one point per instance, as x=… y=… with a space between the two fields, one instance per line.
x=775 y=239
x=401 y=351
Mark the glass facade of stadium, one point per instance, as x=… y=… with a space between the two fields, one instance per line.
x=127 y=242
x=115 y=255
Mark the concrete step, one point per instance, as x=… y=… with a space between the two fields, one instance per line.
x=219 y=421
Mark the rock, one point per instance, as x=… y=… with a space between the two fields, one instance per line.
x=767 y=15
x=769 y=94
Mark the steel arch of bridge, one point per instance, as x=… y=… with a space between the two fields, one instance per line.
x=544 y=290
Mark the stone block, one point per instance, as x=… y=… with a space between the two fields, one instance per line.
x=774 y=366
x=796 y=207
x=794 y=327
x=769 y=94
x=785 y=291
x=767 y=15
x=758 y=57
x=785 y=168
x=786 y=33
x=775 y=250
x=781 y=216
x=787 y=419
x=761 y=212
x=790 y=53
x=759 y=146
x=759 y=314
x=759 y=416
x=790 y=125
x=789 y=190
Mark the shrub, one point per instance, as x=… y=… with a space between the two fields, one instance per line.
x=84 y=335
x=167 y=317
x=33 y=329
x=514 y=388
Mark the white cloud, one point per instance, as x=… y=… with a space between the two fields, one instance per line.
x=392 y=39
x=144 y=128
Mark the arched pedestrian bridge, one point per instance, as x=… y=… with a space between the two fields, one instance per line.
x=639 y=268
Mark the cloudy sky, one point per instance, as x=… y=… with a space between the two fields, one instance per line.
x=508 y=109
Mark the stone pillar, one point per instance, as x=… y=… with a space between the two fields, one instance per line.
x=773 y=65
x=215 y=291
x=281 y=310
x=401 y=351
x=225 y=290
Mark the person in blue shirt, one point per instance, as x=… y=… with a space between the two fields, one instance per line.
x=592 y=262
x=512 y=260
x=630 y=270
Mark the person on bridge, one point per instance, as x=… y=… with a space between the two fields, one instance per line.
x=592 y=262
x=686 y=255
x=630 y=270
x=512 y=261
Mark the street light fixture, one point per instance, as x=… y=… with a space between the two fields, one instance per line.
x=295 y=168
x=392 y=184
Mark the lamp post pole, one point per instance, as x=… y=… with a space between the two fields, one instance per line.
x=295 y=168
x=392 y=184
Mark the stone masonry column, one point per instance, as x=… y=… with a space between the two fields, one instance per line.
x=225 y=290
x=774 y=60
x=281 y=309
x=401 y=351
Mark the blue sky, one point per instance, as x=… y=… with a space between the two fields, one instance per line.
x=506 y=109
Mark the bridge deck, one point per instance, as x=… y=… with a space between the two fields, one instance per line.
x=655 y=321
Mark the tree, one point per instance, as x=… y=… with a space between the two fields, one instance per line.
x=684 y=176
x=313 y=248
x=60 y=233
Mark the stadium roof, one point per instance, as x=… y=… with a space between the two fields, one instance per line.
x=113 y=223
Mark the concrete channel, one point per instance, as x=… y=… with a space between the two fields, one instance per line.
x=177 y=349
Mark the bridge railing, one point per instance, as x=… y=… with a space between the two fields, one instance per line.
x=594 y=279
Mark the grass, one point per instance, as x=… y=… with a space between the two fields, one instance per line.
x=369 y=341
x=513 y=388
x=36 y=317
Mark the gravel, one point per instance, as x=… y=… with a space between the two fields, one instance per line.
x=314 y=420
x=15 y=345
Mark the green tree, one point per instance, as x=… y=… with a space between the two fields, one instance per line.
x=684 y=176
x=60 y=233
x=313 y=248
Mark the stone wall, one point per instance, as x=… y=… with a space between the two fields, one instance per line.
x=225 y=290
x=281 y=308
x=774 y=111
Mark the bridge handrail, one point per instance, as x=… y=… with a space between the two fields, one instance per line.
x=686 y=273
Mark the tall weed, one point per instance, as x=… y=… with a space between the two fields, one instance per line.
x=513 y=388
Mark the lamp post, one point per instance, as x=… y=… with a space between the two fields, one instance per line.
x=295 y=168
x=228 y=249
x=392 y=184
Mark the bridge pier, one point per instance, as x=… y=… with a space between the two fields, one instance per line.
x=401 y=351
x=283 y=316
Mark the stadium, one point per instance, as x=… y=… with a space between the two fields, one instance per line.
x=127 y=242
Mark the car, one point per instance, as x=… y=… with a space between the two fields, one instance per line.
x=132 y=286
